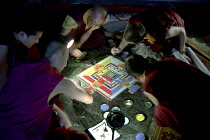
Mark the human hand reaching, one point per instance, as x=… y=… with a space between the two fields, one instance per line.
x=115 y=51
x=187 y=58
x=77 y=45
x=75 y=52
x=64 y=121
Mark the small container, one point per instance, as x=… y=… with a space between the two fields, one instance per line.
x=128 y=103
x=140 y=117
x=148 y=104
x=115 y=108
x=140 y=136
x=104 y=107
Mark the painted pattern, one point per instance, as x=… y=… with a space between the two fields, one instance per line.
x=109 y=78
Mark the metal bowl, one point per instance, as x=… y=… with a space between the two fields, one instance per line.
x=128 y=103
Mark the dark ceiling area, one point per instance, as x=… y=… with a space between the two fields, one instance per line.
x=174 y=4
x=194 y=12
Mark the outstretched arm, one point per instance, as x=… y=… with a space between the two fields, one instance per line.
x=151 y=97
x=122 y=45
x=64 y=121
x=177 y=31
x=67 y=87
x=83 y=38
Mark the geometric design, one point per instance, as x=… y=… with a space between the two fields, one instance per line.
x=109 y=78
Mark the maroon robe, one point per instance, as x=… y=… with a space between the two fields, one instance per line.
x=181 y=90
x=97 y=37
x=24 y=110
x=157 y=22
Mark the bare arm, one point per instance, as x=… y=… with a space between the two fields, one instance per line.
x=65 y=32
x=67 y=87
x=152 y=98
x=177 y=31
x=122 y=45
x=64 y=120
x=3 y=64
x=85 y=36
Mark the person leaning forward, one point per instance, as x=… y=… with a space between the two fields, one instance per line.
x=27 y=97
x=179 y=92
x=160 y=28
x=83 y=24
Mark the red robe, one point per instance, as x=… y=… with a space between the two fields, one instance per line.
x=157 y=22
x=181 y=90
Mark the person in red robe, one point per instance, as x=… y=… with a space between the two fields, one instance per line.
x=28 y=97
x=179 y=92
x=160 y=28
x=81 y=23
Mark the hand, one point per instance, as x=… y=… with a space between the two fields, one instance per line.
x=115 y=51
x=77 y=45
x=64 y=121
x=75 y=52
x=187 y=58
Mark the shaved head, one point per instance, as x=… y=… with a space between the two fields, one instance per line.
x=97 y=16
x=100 y=11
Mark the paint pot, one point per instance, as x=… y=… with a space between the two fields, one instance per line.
x=148 y=104
x=115 y=108
x=140 y=117
x=104 y=107
x=105 y=114
x=140 y=136
x=128 y=103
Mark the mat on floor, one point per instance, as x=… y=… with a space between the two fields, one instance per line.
x=165 y=133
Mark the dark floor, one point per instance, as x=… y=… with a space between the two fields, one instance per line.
x=85 y=116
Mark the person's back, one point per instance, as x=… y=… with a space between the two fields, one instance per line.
x=180 y=88
x=180 y=91
x=25 y=95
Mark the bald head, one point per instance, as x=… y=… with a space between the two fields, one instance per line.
x=97 y=16
x=100 y=11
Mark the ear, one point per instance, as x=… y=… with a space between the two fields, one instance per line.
x=22 y=34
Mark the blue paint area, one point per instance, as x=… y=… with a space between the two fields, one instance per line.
x=133 y=89
x=117 y=89
x=130 y=78
x=140 y=137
